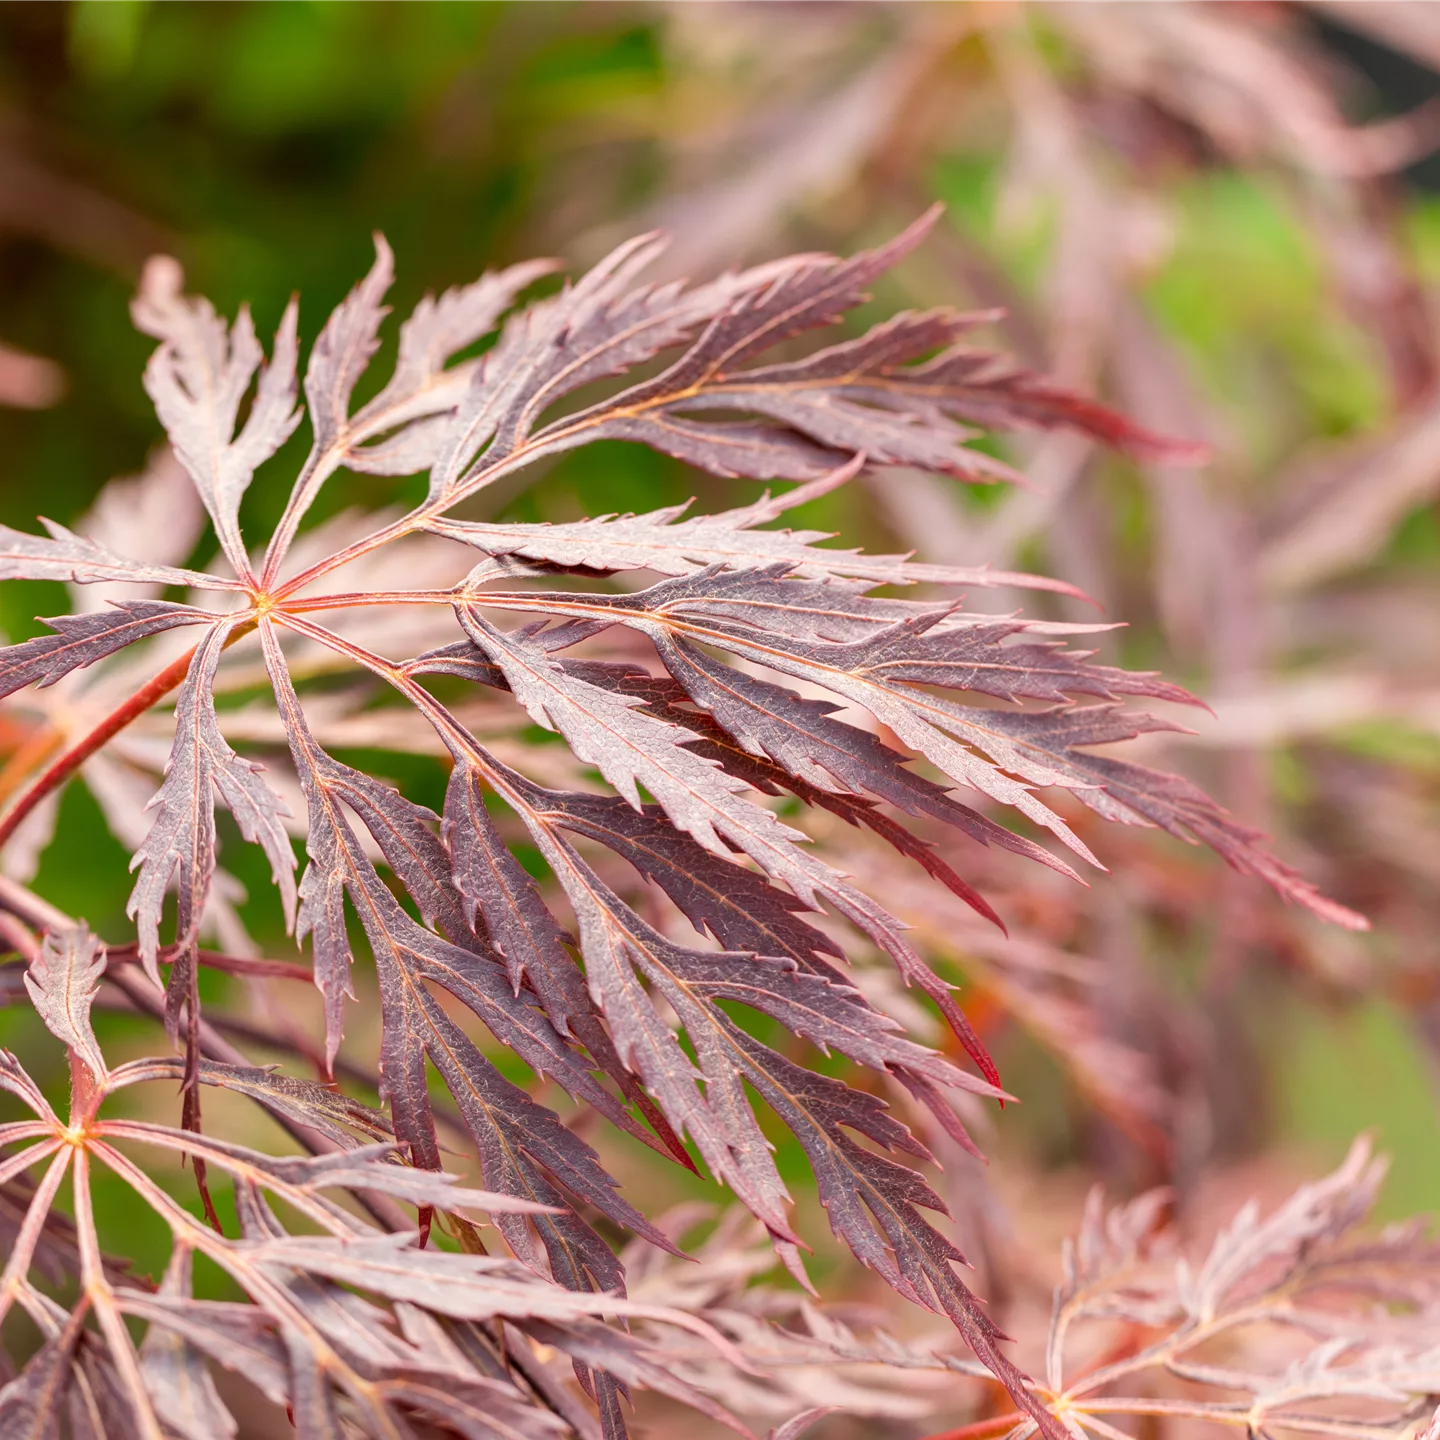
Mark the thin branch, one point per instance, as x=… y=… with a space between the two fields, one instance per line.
x=397 y=529
x=217 y=960
x=35 y=912
x=64 y=766
x=350 y=599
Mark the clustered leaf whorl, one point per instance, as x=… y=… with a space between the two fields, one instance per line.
x=605 y=1001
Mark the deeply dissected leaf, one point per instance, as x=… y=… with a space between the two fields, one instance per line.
x=861 y=758
x=502 y=899
x=857 y=396
x=83 y=639
x=874 y=1204
x=343 y=350
x=78 y=561
x=515 y=1133
x=184 y=1394
x=181 y=843
x=733 y=904
x=421 y=387
x=303 y=1339
x=198 y=379
x=844 y=402
x=1132 y=794
x=631 y=749
x=1280 y=1245
x=839 y=663
x=1264 y=1285
x=318 y=1107
x=30 y=1405
x=666 y=542
x=826 y=762
x=601 y=326
x=627 y=1361
x=62 y=980
x=877 y=653
x=609 y=997
x=779 y=964
x=620 y=949
x=496 y=889
x=523 y=1149
x=421 y=384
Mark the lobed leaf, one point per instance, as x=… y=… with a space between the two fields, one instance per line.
x=665 y=542
x=81 y=640
x=78 y=561
x=403 y=428
x=358 y=1331
x=62 y=981
x=198 y=379
x=181 y=842
x=180 y=1386
x=318 y=1107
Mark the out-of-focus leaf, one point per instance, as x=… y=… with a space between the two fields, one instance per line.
x=184 y=1394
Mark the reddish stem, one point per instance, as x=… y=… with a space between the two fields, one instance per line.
x=349 y=599
x=64 y=766
x=215 y=960
x=61 y=768
x=281 y=593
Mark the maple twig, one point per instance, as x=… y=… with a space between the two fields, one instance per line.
x=215 y=960
x=63 y=766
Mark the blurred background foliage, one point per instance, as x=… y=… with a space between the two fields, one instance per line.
x=1218 y=217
